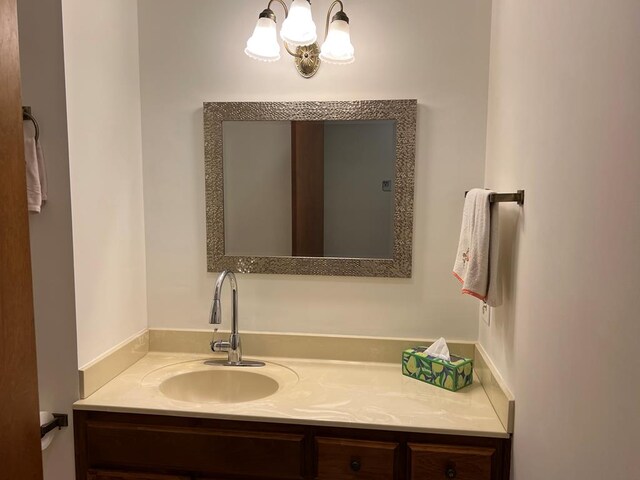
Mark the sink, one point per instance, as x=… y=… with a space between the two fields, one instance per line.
x=219 y=386
x=208 y=381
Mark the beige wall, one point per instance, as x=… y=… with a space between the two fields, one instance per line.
x=564 y=117
x=257 y=202
x=41 y=62
x=103 y=108
x=358 y=215
x=435 y=51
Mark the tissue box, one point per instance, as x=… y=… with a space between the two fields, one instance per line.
x=452 y=375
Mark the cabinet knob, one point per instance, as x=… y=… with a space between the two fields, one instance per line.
x=451 y=472
x=355 y=465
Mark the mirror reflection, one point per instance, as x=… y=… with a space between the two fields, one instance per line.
x=309 y=188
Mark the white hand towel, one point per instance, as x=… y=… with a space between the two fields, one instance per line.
x=36 y=172
x=476 y=265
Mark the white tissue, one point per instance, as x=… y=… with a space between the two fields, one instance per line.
x=46 y=417
x=439 y=349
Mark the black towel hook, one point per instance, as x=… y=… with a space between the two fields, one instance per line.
x=26 y=115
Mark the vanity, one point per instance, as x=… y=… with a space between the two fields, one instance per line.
x=175 y=416
x=116 y=446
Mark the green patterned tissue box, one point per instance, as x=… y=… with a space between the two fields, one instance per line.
x=453 y=375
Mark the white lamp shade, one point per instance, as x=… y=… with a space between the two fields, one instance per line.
x=337 y=47
x=298 y=28
x=263 y=44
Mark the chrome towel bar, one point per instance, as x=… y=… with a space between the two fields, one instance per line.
x=517 y=197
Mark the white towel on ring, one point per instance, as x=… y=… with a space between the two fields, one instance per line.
x=476 y=265
x=36 y=171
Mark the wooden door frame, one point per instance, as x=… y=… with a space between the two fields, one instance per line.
x=307 y=188
x=20 y=455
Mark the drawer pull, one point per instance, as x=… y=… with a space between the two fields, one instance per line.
x=355 y=465
x=451 y=472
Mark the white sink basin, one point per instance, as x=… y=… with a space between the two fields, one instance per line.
x=228 y=385
x=199 y=382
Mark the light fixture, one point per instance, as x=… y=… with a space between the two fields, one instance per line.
x=299 y=31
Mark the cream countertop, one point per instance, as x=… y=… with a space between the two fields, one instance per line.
x=318 y=392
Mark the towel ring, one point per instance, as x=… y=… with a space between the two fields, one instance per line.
x=26 y=115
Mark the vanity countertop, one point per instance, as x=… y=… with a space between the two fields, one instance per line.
x=367 y=395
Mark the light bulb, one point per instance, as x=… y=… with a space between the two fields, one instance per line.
x=298 y=28
x=337 y=47
x=263 y=44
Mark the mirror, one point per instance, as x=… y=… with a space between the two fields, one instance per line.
x=310 y=189
x=322 y=188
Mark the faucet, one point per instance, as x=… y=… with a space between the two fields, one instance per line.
x=233 y=347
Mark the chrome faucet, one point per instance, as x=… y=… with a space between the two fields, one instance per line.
x=233 y=347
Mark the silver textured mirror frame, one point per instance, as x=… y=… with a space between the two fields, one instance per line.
x=402 y=111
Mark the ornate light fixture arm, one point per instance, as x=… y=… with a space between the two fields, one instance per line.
x=337 y=2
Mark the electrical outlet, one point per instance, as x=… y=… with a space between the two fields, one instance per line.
x=485 y=313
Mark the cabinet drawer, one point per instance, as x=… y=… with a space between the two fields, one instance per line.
x=106 y=475
x=207 y=452
x=443 y=462
x=342 y=459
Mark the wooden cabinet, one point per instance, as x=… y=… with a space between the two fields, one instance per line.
x=344 y=459
x=105 y=475
x=244 y=454
x=439 y=461
x=118 y=446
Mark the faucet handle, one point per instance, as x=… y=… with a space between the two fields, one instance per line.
x=220 y=346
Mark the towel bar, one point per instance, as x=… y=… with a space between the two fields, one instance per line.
x=59 y=420
x=517 y=197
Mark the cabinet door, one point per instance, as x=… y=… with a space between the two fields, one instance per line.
x=437 y=462
x=211 y=452
x=107 y=475
x=343 y=459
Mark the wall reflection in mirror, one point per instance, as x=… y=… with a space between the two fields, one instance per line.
x=309 y=188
